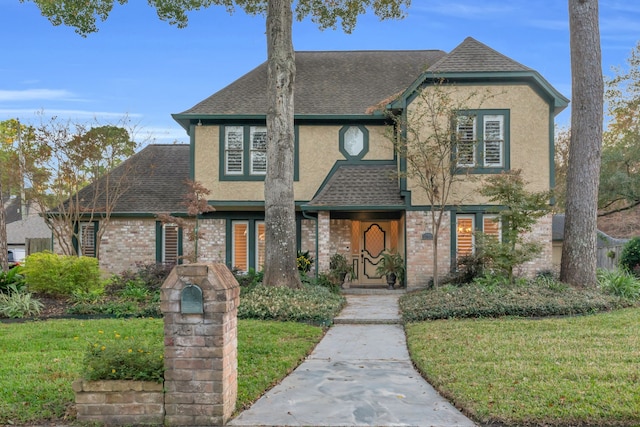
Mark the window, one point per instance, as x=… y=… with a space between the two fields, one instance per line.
x=258 y=150
x=233 y=150
x=493 y=140
x=245 y=145
x=240 y=245
x=168 y=243
x=467 y=225
x=170 y=252
x=466 y=149
x=491 y=226
x=464 y=235
x=353 y=141
x=482 y=140
x=247 y=245
x=260 y=245
x=87 y=239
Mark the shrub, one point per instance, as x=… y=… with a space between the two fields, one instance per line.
x=248 y=279
x=620 y=283
x=59 y=275
x=310 y=304
x=17 y=304
x=10 y=279
x=150 y=276
x=113 y=357
x=532 y=300
x=630 y=257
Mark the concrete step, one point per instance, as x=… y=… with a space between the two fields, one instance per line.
x=365 y=321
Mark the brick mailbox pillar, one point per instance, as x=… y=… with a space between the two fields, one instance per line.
x=199 y=303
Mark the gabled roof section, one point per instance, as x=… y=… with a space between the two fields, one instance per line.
x=334 y=83
x=360 y=186
x=156 y=181
x=473 y=56
x=472 y=61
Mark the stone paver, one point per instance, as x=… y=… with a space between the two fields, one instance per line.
x=358 y=375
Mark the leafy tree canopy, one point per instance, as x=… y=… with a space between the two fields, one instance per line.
x=84 y=15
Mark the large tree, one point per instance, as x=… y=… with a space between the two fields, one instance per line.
x=620 y=171
x=579 y=260
x=17 y=165
x=76 y=185
x=280 y=263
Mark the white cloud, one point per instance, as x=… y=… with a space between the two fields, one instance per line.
x=35 y=94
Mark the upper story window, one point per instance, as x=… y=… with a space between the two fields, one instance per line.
x=242 y=154
x=354 y=141
x=482 y=142
x=245 y=151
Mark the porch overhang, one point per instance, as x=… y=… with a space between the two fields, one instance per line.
x=359 y=187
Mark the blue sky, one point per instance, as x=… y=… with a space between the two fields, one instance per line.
x=139 y=66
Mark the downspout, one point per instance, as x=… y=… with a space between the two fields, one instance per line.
x=306 y=216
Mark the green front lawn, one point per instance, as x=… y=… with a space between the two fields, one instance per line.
x=40 y=360
x=581 y=370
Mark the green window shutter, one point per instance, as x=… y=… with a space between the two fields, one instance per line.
x=158 y=241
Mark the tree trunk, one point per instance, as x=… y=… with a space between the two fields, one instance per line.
x=280 y=217
x=579 y=249
x=4 y=263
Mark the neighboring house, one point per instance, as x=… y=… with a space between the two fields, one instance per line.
x=348 y=197
x=27 y=226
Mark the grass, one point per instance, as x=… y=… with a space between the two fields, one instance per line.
x=555 y=371
x=40 y=360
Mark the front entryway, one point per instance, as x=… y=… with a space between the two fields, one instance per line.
x=369 y=239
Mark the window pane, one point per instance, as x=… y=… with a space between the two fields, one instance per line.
x=87 y=240
x=260 y=245
x=466 y=140
x=240 y=246
x=234 y=141
x=353 y=141
x=464 y=234
x=258 y=150
x=491 y=226
x=493 y=140
x=170 y=244
x=258 y=162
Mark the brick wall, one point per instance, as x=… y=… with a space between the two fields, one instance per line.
x=420 y=252
x=541 y=233
x=119 y=402
x=126 y=242
x=212 y=245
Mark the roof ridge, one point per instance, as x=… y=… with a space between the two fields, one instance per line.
x=464 y=45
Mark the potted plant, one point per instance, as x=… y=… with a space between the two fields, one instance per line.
x=391 y=266
x=339 y=268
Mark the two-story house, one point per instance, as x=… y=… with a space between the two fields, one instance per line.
x=347 y=192
x=350 y=194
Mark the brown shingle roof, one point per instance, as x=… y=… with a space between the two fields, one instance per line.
x=360 y=186
x=157 y=180
x=331 y=83
x=473 y=56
